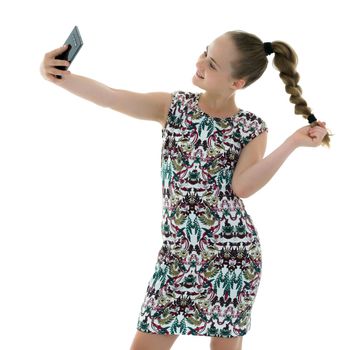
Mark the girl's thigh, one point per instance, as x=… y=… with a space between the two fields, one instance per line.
x=217 y=343
x=149 y=341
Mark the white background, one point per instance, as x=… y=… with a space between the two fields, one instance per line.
x=80 y=186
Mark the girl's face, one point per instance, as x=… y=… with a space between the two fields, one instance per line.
x=214 y=66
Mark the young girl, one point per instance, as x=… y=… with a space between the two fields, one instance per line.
x=208 y=269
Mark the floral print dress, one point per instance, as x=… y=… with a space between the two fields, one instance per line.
x=208 y=269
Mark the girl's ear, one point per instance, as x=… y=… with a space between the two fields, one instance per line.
x=238 y=84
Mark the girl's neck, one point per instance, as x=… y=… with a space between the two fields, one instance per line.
x=217 y=105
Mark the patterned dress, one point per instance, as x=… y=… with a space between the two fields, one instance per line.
x=209 y=266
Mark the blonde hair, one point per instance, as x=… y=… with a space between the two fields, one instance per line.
x=252 y=63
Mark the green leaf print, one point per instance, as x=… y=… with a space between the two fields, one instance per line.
x=217 y=281
x=221 y=177
x=189 y=226
x=174 y=326
x=226 y=283
x=160 y=274
x=183 y=326
x=239 y=283
x=197 y=228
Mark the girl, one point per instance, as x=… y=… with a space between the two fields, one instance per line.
x=208 y=269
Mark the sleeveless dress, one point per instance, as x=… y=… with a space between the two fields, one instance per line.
x=208 y=269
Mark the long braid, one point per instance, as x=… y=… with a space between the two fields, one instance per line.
x=285 y=60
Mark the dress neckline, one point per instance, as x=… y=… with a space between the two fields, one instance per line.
x=198 y=95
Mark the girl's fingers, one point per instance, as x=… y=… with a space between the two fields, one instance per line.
x=55 y=52
x=321 y=124
x=317 y=136
x=56 y=71
x=317 y=128
x=55 y=62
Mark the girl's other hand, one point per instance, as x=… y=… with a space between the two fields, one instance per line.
x=309 y=136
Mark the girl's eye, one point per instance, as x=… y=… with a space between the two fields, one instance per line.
x=205 y=55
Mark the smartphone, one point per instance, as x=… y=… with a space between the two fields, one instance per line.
x=74 y=43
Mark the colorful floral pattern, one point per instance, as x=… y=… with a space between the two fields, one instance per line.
x=209 y=266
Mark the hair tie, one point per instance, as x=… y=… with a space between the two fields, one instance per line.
x=268 y=48
x=311 y=118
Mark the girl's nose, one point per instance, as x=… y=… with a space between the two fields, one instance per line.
x=200 y=64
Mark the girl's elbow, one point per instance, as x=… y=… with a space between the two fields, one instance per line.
x=239 y=192
x=243 y=195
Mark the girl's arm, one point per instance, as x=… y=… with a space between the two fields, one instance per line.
x=252 y=172
x=87 y=88
x=148 y=106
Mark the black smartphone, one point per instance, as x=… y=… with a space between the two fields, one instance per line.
x=74 y=43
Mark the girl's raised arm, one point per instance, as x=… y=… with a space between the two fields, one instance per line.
x=147 y=106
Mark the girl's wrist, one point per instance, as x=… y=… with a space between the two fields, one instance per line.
x=292 y=143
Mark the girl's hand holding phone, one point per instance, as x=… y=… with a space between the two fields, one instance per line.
x=48 y=66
